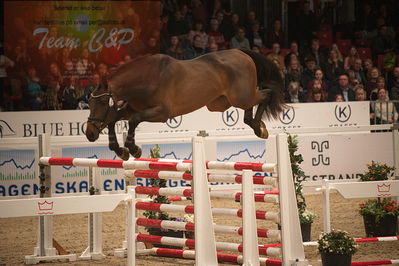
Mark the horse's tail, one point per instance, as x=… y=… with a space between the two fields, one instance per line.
x=269 y=77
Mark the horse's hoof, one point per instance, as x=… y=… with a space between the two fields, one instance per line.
x=125 y=154
x=137 y=154
x=264 y=134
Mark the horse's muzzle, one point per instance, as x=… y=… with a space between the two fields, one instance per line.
x=92 y=133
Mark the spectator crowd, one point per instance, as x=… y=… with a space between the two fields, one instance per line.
x=325 y=62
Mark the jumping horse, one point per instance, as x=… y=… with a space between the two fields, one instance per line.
x=157 y=87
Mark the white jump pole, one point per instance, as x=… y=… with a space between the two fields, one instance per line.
x=250 y=236
x=293 y=251
x=205 y=245
x=131 y=226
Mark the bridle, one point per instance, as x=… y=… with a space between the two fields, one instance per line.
x=101 y=120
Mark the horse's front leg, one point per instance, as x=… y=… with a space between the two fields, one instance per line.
x=130 y=142
x=256 y=123
x=113 y=144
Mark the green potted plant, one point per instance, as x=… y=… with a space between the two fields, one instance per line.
x=379 y=215
x=336 y=248
x=155 y=182
x=306 y=217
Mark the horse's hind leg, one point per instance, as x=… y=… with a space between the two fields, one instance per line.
x=113 y=144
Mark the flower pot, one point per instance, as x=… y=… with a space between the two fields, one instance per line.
x=306 y=231
x=332 y=259
x=385 y=226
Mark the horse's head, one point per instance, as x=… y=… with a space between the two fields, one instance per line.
x=103 y=111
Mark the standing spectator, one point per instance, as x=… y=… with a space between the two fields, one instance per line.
x=33 y=90
x=175 y=50
x=251 y=19
x=318 y=83
x=343 y=88
x=384 y=112
x=366 y=20
x=383 y=43
x=5 y=63
x=276 y=34
x=307 y=25
x=199 y=30
x=219 y=38
x=358 y=70
x=54 y=81
x=178 y=26
x=275 y=54
x=308 y=72
x=316 y=53
x=394 y=95
x=196 y=49
x=371 y=85
x=70 y=95
x=334 y=67
x=239 y=40
x=351 y=58
x=199 y=11
x=21 y=59
x=232 y=26
x=255 y=35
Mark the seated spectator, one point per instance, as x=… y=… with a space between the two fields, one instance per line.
x=239 y=40
x=196 y=49
x=255 y=35
x=250 y=20
x=339 y=98
x=95 y=83
x=175 y=50
x=335 y=47
x=151 y=47
x=384 y=113
x=85 y=67
x=318 y=83
x=353 y=81
x=294 y=93
x=33 y=90
x=343 y=88
x=280 y=67
x=360 y=93
x=308 y=72
x=276 y=54
x=367 y=66
x=219 y=38
x=255 y=49
x=317 y=96
x=213 y=48
x=276 y=34
x=294 y=52
x=293 y=72
x=351 y=58
x=334 y=67
x=371 y=84
x=199 y=30
x=358 y=71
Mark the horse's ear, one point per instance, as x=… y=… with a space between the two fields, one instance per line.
x=111 y=102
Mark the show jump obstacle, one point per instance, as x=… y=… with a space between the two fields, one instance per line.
x=290 y=249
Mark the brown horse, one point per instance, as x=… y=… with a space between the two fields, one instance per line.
x=157 y=87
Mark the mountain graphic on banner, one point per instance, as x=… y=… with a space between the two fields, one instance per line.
x=241 y=152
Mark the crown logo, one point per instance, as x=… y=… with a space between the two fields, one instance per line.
x=384 y=188
x=45 y=206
